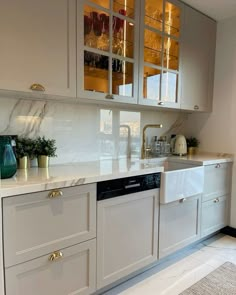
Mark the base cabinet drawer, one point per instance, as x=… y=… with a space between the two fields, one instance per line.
x=179 y=225
x=214 y=215
x=73 y=273
x=37 y=224
x=217 y=180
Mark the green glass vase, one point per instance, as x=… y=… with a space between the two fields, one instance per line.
x=8 y=165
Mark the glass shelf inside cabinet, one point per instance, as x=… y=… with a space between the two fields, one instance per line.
x=123 y=37
x=96 y=28
x=102 y=3
x=124 y=7
x=154 y=14
x=96 y=77
x=171 y=54
x=172 y=19
x=153 y=47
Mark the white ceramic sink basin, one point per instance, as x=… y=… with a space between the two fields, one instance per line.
x=180 y=181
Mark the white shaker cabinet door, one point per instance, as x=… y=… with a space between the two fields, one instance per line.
x=179 y=224
x=71 y=273
x=127 y=235
x=38 y=46
x=198 y=59
x=214 y=215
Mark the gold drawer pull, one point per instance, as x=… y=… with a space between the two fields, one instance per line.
x=196 y=107
x=37 y=87
x=55 y=194
x=55 y=256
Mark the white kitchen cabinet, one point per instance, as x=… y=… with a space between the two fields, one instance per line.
x=214 y=215
x=160 y=44
x=38 y=46
x=39 y=223
x=72 y=272
x=107 y=56
x=197 y=59
x=179 y=224
x=127 y=235
x=217 y=180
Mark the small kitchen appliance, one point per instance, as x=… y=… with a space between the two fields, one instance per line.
x=8 y=164
x=180 y=148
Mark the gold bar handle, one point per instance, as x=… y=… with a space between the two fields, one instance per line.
x=55 y=256
x=37 y=87
x=55 y=194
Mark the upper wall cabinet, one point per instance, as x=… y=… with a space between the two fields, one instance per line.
x=107 y=60
x=160 y=42
x=38 y=50
x=198 y=58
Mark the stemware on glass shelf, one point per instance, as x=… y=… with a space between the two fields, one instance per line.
x=127 y=6
x=123 y=36
x=96 y=29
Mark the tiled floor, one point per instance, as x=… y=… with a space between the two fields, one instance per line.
x=183 y=270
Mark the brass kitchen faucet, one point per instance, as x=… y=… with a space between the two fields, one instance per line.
x=144 y=149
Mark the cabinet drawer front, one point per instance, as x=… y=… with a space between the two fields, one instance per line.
x=217 y=180
x=179 y=225
x=214 y=215
x=35 y=224
x=73 y=273
x=127 y=235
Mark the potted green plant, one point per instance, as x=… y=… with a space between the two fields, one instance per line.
x=44 y=149
x=192 y=144
x=22 y=152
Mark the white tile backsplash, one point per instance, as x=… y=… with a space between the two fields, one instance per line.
x=85 y=132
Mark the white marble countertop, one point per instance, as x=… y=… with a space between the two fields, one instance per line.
x=204 y=158
x=58 y=176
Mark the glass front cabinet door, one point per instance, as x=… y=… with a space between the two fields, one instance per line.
x=160 y=40
x=107 y=44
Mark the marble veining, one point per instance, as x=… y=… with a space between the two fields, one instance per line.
x=85 y=132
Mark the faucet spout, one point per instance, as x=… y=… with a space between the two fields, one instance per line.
x=143 y=151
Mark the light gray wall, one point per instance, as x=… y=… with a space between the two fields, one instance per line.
x=217 y=131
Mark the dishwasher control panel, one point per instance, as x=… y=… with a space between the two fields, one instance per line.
x=123 y=186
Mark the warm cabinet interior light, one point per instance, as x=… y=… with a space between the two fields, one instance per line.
x=27 y=118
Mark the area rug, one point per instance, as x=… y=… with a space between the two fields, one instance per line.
x=221 y=281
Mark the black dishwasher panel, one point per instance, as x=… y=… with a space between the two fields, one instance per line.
x=123 y=186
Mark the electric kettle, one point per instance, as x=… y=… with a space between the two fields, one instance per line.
x=8 y=165
x=180 y=148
